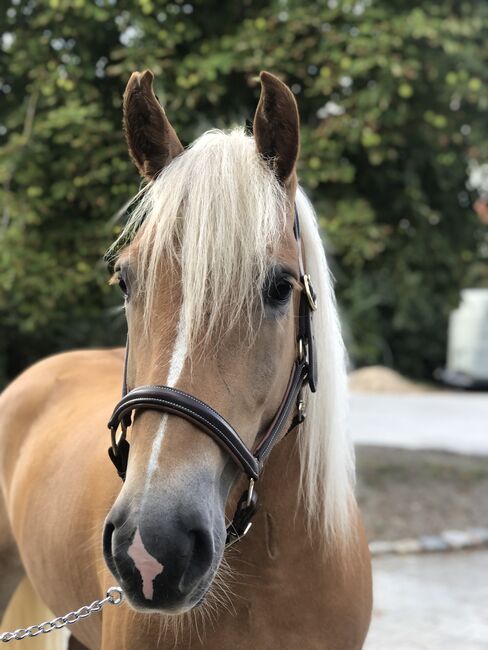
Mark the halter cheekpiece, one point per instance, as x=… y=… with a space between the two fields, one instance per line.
x=176 y=402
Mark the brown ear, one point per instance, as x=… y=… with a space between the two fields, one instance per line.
x=152 y=140
x=277 y=126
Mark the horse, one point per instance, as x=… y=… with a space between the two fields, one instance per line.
x=223 y=276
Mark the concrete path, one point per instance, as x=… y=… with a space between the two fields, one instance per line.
x=448 y=421
x=430 y=602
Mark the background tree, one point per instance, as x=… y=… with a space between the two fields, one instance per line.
x=393 y=101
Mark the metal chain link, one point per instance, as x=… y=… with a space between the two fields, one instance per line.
x=114 y=596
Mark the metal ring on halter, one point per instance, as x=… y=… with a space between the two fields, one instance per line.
x=309 y=292
x=250 y=492
x=113 y=435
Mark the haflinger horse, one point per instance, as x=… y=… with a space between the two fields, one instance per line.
x=224 y=277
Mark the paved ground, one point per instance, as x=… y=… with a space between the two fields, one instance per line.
x=442 y=420
x=431 y=602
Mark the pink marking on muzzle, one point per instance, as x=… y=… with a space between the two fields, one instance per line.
x=146 y=564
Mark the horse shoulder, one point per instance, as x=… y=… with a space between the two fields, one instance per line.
x=42 y=388
x=52 y=436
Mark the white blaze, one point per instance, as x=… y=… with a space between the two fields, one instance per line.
x=175 y=367
x=147 y=565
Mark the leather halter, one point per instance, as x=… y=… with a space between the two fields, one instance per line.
x=176 y=402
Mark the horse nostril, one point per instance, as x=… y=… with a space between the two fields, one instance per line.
x=200 y=557
x=108 y=533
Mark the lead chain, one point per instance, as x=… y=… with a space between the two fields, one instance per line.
x=114 y=596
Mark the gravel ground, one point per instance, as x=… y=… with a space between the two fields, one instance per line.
x=404 y=493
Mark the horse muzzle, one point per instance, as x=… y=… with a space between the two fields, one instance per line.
x=164 y=558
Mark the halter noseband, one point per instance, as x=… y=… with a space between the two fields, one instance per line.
x=171 y=400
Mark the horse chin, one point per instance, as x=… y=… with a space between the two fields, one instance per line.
x=165 y=606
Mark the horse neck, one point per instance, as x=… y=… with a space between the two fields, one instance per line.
x=294 y=580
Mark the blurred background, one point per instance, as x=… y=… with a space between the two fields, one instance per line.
x=393 y=98
x=393 y=103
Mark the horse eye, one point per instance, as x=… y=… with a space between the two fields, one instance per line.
x=123 y=287
x=278 y=291
x=119 y=278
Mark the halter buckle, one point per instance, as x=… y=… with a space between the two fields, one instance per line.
x=310 y=292
x=241 y=523
x=233 y=537
x=247 y=529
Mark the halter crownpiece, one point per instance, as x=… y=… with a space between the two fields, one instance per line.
x=176 y=402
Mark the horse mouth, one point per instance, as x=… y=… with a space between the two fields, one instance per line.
x=139 y=603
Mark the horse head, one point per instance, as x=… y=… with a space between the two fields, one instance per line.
x=211 y=283
x=210 y=268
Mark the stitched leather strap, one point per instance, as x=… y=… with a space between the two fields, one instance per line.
x=287 y=406
x=177 y=402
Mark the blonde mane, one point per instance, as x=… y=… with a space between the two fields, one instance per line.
x=326 y=451
x=217 y=211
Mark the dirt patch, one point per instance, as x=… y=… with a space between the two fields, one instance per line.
x=378 y=379
x=404 y=493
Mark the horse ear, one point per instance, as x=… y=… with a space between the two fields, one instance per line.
x=277 y=126
x=152 y=140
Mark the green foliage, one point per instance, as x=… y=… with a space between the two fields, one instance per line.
x=393 y=99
